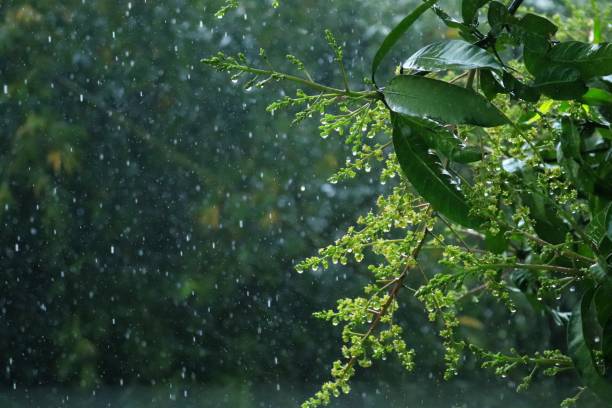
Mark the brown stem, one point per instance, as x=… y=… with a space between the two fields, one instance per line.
x=397 y=284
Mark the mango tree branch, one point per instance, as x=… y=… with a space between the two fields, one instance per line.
x=229 y=64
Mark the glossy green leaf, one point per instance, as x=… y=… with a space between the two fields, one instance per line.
x=426 y=176
x=453 y=54
x=395 y=34
x=469 y=9
x=491 y=84
x=589 y=59
x=432 y=99
x=581 y=353
x=444 y=141
x=560 y=82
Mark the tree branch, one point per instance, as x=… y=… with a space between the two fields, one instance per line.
x=514 y=6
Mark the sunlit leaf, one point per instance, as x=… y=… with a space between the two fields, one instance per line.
x=597 y=97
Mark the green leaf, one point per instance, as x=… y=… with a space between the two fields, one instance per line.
x=469 y=9
x=570 y=138
x=489 y=85
x=603 y=306
x=498 y=16
x=519 y=90
x=395 y=34
x=597 y=97
x=453 y=54
x=496 y=243
x=426 y=175
x=432 y=99
x=601 y=225
x=444 y=141
x=560 y=82
x=466 y=31
x=535 y=48
x=581 y=353
x=537 y=25
x=589 y=59
x=547 y=224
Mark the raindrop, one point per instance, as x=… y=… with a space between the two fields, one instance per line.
x=112 y=249
x=81 y=97
x=5 y=88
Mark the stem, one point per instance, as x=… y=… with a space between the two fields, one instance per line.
x=566 y=252
x=450 y=227
x=311 y=84
x=554 y=268
x=514 y=6
x=344 y=76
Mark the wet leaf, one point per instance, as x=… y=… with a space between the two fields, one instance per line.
x=426 y=176
x=429 y=98
x=453 y=54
